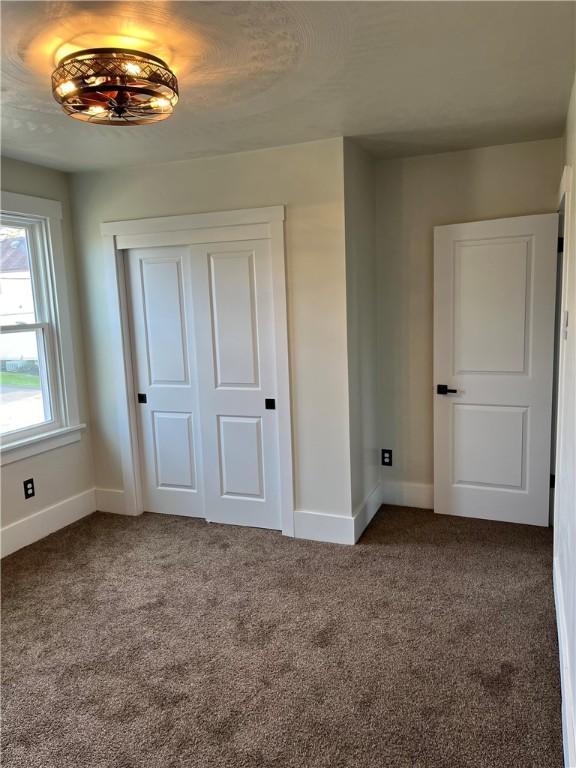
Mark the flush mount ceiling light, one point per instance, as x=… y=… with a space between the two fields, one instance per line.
x=113 y=86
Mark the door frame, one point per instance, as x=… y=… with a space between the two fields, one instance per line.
x=564 y=201
x=567 y=190
x=243 y=224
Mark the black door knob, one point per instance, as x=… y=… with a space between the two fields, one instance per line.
x=442 y=389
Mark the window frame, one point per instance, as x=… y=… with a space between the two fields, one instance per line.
x=42 y=219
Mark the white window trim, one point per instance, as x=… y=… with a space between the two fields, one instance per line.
x=32 y=446
x=69 y=427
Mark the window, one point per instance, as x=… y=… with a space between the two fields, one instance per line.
x=26 y=344
x=37 y=391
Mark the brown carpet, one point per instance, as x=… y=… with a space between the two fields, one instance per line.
x=163 y=641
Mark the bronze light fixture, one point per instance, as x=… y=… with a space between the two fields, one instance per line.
x=113 y=86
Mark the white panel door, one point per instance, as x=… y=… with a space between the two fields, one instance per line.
x=494 y=293
x=165 y=372
x=234 y=323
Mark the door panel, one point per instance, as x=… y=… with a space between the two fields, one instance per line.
x=233 y=315
x=163 y=343
x=490 y=304
x=494 y=292
x=232 y=287
x=174 y=450
x=241 y=467
x=501 y=428
x=164 y=324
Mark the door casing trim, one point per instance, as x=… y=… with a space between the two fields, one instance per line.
x=217 y=226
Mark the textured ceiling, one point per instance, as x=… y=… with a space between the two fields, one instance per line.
x=404 y=78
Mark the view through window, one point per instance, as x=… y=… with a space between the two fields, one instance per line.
x=24 y=380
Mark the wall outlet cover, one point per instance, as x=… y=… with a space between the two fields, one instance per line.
x=29 y=488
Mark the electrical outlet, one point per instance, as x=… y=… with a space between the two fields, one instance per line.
x=386 y=457
x=29 y=488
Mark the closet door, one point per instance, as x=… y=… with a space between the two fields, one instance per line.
x=159 y=283
x=234 y=325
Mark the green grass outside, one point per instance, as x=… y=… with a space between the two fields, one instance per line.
x=19 y=380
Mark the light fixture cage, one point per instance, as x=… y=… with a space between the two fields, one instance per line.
x=115 y=86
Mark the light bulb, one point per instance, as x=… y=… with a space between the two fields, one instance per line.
x=132 y=69
x=160 y=103
x=95 y=110
x=94 y=80
x=66 y=88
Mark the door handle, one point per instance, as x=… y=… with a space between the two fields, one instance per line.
x=442 y=389
x=142 y=398
x=270 y=403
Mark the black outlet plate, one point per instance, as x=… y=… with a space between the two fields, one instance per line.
x=386 y=457
x=29 y=488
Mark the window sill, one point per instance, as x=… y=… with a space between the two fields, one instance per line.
x=31 y=446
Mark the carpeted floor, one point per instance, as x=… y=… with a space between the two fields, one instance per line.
x=164 y=641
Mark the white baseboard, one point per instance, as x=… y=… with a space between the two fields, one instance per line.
x=110 y=500
x=403 y=494
x=366 y=511
x=46 y=521
x=318 y=526
x=322 y=526
x=567 y=672
x=337 y=529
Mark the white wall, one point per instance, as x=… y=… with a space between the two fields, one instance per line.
x=67 y=471
x=361 y=295
x=415 y=194
x=565 y=493
x=332 y=296
x=308 y=179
